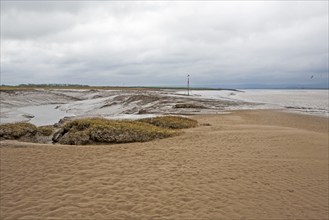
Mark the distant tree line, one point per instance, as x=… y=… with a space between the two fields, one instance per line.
x=52 y=85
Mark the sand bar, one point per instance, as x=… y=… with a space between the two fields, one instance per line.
x=248 y=164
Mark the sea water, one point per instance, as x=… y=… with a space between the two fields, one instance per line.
x=315 y=102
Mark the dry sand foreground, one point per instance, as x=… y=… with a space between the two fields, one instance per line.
x=250 y=164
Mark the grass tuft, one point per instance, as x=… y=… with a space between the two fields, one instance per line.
x=17 y=130
x=45 y=130
x=172 y=122
x=188 y=105
x=97 y=130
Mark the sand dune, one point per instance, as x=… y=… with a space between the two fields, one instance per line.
x=249 y=164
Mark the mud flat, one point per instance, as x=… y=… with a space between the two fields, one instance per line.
x=45 y=107
x=48 y=106
x=257 y=164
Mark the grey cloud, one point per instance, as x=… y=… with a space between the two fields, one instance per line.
x=158 y=43
x=41 y=6
x=34 y=19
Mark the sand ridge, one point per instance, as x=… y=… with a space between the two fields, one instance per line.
x=246 y=165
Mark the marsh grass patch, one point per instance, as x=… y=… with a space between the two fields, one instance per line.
x=189 y=105
x=102 y=131
x=45 y=130
x=171 y=122
x=98 y=130
x=17 y=130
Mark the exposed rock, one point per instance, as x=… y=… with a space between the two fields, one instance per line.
x=28 y=116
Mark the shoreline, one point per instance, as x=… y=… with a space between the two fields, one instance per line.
x=254 y=164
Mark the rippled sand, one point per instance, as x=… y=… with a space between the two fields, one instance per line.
x=249 y=164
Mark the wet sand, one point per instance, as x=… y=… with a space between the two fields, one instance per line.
x=248 y=164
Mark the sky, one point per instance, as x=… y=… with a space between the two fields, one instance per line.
x=227 y=44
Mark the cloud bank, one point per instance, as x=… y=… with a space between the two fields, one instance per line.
x=220 y=44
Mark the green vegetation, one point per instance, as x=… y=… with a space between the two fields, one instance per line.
x=172 y=122
x=188 y=105
x=45 y=130
x=17 y=130
x=97 y=130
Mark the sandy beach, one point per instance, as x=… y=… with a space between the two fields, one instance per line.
x=258 y=164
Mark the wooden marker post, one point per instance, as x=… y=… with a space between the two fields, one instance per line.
x=188 y=85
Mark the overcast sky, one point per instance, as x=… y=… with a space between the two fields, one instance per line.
x=220 y=44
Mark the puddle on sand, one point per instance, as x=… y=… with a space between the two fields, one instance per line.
x=44 y=114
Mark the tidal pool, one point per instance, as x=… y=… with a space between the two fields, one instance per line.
x=44 y=114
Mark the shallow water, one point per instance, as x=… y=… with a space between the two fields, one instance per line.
x=44 y=114
x=314 y=102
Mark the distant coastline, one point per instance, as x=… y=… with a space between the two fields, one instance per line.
x=111 y=87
